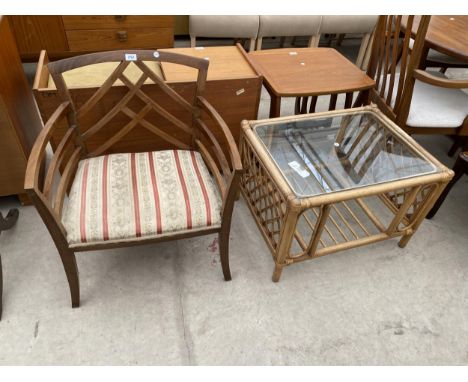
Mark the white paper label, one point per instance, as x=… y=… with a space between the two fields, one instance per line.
x=293 y=53
x=297 y=167
x=240 y=91
x=130 y=57
x=199 y=48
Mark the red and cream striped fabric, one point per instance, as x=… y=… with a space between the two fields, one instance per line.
x=131 y=196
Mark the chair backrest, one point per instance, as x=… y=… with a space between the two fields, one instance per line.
x=289 y=26
x=348 y=24
x=363 y=25
x=392 y=63
x=134 y=102
x=227 y=26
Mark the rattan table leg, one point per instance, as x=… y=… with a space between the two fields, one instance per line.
x=287 y=234
x=277 y=273
x=422 y=214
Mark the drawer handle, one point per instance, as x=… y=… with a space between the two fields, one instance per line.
x=122 y=36
x=120 y=18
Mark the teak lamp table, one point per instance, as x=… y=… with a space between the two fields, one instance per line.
x=306 y=72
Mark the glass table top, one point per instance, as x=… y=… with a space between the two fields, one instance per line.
x=323 y=155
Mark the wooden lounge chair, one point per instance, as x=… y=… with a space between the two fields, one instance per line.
x=118 y=199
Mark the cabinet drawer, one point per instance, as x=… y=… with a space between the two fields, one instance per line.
x=112 y=39
x=113 y=22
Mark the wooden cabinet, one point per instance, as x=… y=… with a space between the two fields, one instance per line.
x=64 y=36
x=20 y=122
x=233 y=86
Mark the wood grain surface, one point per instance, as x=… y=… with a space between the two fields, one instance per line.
x=309 y=71
x=446 y=34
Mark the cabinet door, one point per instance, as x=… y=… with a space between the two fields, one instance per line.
x=34 y=33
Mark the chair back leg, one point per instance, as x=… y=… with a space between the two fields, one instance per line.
x=362 y=50
x=314 y=41
x=259 y=43
x=6 y=223
x=1 y=287
x=460 y=168
x=252 y=45
x=367 y=53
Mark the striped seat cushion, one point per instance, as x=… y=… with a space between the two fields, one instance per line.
x=135 y=196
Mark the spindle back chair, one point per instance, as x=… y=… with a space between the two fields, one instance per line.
x=419 y=101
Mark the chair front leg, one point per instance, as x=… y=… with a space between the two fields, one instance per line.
x=460 y=168
x=223 y=239
x=71 y=271
x=228 y=208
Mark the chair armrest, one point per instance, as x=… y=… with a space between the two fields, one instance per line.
x=438 y=81
x=36 y=157
x=229 y=182
x=214 y=115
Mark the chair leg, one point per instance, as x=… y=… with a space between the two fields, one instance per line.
x=314 y=41
x=9 y=220
x=6 y=223
x=223 y=239
x=460 y=142
x=453 y=149
x=259 y=43
x=71 y=271
x=340 y=39
x=362 y=50
x=252 y=45
x=282 y=41
x=1 y=287
x=443 y=69
x=362 y=99
x=460 y=168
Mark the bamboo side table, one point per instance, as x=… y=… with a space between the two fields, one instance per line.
x=318 y=184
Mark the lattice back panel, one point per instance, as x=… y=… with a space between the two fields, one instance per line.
x=134 y=100
x=137 y=106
